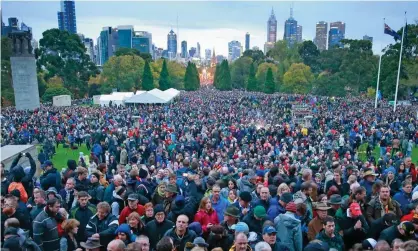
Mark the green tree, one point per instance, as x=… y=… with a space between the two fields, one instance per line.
x=54 y=91
x=297 y=79
x=216 y=76
x=94 y=85
x=262 y=72
x=123 y=73
x=256 y=55
x=240 y=70
x=132 y=51
x=252 y=81
x=7 y=91
x=191 y=78
x=63 y=54
x=164 y=82
x=270 y=86
x=224 y=77
x=147 y=79
x=176 y=72
x=309 y=54
x=42 y=85
x=329 y=85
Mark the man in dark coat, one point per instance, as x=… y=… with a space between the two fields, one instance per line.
x=404 y=231
x=354 y=225
x=18 y=174
x=40 y=203
x=157 y=227
x=82 y=212
x=102 y=225
x=377 y=226
x=180 y=234
x=255 y=219
x=51 y=177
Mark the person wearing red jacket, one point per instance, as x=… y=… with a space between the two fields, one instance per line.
x=206 y=215
x=412 y=170
x=133 y=206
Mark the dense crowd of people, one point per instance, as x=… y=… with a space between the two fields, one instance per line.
x=214 y=171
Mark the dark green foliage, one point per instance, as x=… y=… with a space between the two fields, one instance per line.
x=164 y=82
x=147 y=78
x=51 y=92
x=252 y=81
x=269 y=85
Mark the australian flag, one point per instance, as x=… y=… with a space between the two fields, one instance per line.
x=391 y=32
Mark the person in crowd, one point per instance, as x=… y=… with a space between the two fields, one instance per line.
x=132 y=206
x=51 y=177
x=170 y=197
x=45 y=232
x=377 y=226
x=382 y=204
x=68 y=241
x=289 y=228
x=118 y=201
x=316 y=224
x=10 y=210
x=95 y=189
x=158 y=227
x=231 y=217
x=244 y=204
x=264 y=199
x=123 y=233
x=165 y=244
x=102 y=225
x=180 y=232
x=218 y=202
x=240 y=243
x=39 y=198
x=136 y=226
x=404 y=231
x=328 y=235
x=82 y=212
x=149 y=213
x=304 y=195
x=19 y=177
x=143 y=242
x=159 y=194
x=108 y=193
x=255 y=219
x=82 y=174
x=353 y=225
x=206 y=215
x=404 y=196
x=67 y=193
x=279 y=207
x=92 y=244
x=116 y=245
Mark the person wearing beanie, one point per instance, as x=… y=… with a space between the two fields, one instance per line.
x=95 y=190
x=243 y=204
x=369 y=244
x=404 y=231
x=255 y=219
x=328 y=235
x=197 y=228
x=124 y=233
x=289 y=228
x=377 y=226
x=278 y=205
x=158 y=227
x=181 y=207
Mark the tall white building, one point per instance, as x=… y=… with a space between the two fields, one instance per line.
x=208 y=53
x=197 y=55
x=234 y=50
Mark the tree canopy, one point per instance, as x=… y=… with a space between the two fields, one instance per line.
x=164 y=82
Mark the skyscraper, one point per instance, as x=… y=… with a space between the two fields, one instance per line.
x=247 y=41
x=208 y=53
x=88 y=43
x=290 y=30
x=171 y=45
x=365 y=37
x=336 y=34
x=234 y=50
x=272 y=28
x=66 y=17
x=125 y=33
x=108 y=43
x=321 y=35
x=299 y=34
x=192 y=52
x=184 y=49
x=198 y=51
x=142 y=41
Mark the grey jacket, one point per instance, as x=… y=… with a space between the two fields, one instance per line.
x=45 y=232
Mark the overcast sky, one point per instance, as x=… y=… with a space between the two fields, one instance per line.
x=214 y=24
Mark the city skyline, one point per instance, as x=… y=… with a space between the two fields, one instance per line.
x=196 y=24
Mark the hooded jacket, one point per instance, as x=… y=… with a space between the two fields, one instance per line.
x=290 y=231
x=51 y=178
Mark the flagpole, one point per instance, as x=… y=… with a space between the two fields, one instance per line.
x=399 y=68
x=377 y=85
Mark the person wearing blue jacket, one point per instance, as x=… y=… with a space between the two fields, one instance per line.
x=51 y=177
x=404 y=196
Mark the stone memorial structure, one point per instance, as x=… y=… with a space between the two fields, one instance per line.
x=61 y=100
x=23 y=65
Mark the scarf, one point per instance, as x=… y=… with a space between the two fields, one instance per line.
x=161 y=192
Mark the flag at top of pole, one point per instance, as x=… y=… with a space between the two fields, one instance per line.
x=391 y=32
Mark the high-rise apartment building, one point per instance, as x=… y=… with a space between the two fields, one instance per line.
x=247 y=41
x=290 y=30
x=234 y=50
x=184 y=49
x=321 y=34
x=108 y=43
x=171 y=45
x=272 y=28
x=66 y=17
x=198 y=50
x=336 y=34
x=299 y=34
x=192 y=52
x=88 y=43
x=142 y=41
x=125 y=33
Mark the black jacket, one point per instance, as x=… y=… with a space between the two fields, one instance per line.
x=376 y=227
x=253 y=224
x=188 y=209
x=96 y=191
x=351 y=235
x=391 y=233
x=157 y=230
x=18 y=174
x=83 y=215
x=105 y=228
x=181 y=243
x=51 y=178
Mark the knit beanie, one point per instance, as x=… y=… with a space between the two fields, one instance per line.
x=291 y=207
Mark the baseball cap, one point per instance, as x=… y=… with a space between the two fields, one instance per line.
x=355 y=209
x=269 y=230
x=47 y=163
x=241 y=227
x=133 y=196
x=408 y=227
x=369 y=244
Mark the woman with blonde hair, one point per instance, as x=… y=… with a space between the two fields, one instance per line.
x=206 y=215
x=68 y=241
x=283 y=188
x=159 y=194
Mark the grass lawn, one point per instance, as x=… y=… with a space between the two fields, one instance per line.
x=376 y=152
x=62 y=155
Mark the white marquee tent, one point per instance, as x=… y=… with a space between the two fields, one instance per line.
x=155 y=96
x=117 y=98
x=172 y=92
